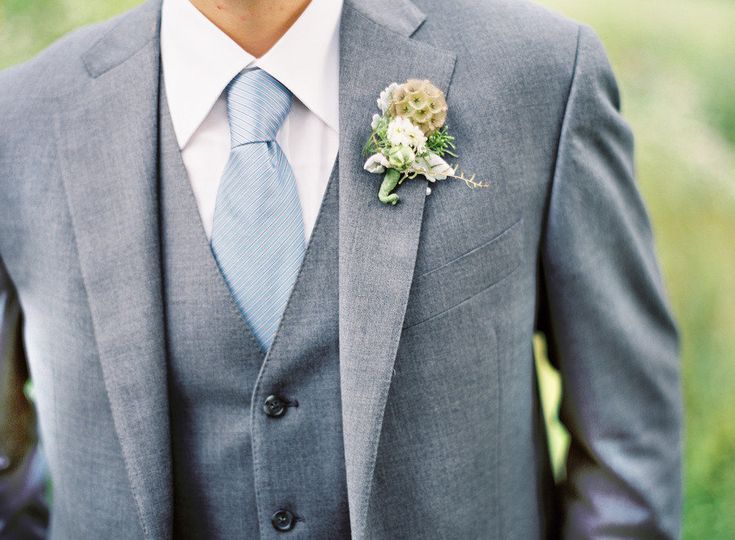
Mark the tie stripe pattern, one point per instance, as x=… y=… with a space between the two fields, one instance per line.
x=258 y=229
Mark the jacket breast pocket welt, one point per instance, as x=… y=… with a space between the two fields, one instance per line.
x=458 y=280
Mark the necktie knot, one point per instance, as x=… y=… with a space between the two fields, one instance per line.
x=257 y=105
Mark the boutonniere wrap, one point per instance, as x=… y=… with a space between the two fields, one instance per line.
x=409 y=138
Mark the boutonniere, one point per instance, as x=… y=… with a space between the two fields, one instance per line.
x=409 y=139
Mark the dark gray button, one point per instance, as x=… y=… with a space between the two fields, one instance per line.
x=283 y=520
x=274 y=406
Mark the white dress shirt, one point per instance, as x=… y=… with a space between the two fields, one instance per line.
x=199 y=60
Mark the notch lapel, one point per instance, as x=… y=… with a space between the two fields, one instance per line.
x=107 y=137
x=377 y=243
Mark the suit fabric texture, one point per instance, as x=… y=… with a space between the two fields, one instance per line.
x=437 y=299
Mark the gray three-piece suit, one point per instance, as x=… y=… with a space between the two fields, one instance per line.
x=399 y=397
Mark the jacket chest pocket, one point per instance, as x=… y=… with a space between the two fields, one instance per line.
x=442 y=288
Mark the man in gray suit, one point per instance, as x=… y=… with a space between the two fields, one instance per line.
x=391 y=392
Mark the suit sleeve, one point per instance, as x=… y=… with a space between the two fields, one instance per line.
x=23 y=509
x=610 y=330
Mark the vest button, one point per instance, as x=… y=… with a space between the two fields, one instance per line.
x=283 y=520
x=274 y=406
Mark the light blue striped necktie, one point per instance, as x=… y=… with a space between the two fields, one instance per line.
x=258 y=229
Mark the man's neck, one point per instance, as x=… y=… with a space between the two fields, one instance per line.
x=255 y=25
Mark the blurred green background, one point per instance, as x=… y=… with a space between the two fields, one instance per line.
x=675 y=66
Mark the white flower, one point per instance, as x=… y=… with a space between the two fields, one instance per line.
x=386 y=96
x=432 y=167
x=402 y=132
x=376 y=119
x=376 y=163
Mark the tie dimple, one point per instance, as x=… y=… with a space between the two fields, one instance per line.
x=257 y=105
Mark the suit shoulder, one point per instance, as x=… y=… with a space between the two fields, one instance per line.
x=56 y=70
x=528 y=37
x=51 y=71
x=500 y=19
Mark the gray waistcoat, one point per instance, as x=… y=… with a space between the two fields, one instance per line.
x=234 y=465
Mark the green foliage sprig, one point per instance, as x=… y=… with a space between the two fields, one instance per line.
x=378 y=140
x=441 y=143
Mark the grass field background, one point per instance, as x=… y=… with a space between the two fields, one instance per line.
x=674 y=62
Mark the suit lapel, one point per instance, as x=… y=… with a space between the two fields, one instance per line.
x=377 y=243
x=107 y=133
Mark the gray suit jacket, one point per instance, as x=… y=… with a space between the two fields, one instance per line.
x=439 y=296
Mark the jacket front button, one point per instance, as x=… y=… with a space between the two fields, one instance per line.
x=283 y=520
x=274 y=406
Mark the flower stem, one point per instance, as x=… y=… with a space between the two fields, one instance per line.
x=390 y=181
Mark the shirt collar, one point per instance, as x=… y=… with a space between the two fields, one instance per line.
x=199 y=60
